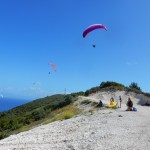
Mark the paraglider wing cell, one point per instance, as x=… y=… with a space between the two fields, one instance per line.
x=93 y=27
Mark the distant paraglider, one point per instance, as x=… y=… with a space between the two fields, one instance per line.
x=53 y=66
x=93 y=27
x=37 y=83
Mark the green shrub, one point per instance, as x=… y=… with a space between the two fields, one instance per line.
x=87 y=92
x=3 y=135
x=37 y=115
x=81 y=93
x=111 y=84
x=94 y=103
x=59 y=104
x=86 y=102
x=135 y=86
x=68 y=115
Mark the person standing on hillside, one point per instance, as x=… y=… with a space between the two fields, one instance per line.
x=120 y=100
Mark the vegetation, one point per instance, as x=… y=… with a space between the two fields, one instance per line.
x=52 y=108
x=81 y=93
x=134 y=86
x=63 y=113
x=110 y=85
x=86 y=102
x=26 y=115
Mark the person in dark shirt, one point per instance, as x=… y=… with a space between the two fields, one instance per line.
x=129 y=104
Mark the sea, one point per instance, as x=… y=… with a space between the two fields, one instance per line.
x=9 y=103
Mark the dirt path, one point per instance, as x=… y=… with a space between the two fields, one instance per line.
x=108 y=129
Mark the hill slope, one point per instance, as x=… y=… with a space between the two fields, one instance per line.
x=109 y=129
x=25 y=116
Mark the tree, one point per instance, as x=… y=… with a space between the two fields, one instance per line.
x=111 y=84
x=135 y=86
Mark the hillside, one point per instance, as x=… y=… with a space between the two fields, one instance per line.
x=59 y=107
x=33 y=113
x=93 y=129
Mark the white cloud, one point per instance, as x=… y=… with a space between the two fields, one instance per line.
x=32 y=92
x=7 y=89
x=26 y=92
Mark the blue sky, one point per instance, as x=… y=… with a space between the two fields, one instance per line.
x=34 y=32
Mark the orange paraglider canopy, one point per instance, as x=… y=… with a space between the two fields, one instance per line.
x=53 y=66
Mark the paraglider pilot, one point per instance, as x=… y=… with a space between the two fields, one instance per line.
x=120 y=99
x=129 y=104
x=94 y=45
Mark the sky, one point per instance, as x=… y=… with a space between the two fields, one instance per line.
x=34 y=33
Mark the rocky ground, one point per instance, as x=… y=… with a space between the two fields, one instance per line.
x=106 y=129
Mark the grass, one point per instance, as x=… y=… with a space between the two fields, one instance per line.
x=66 y=112
x=63 y=113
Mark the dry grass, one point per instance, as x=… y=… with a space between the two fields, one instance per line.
x=66 y=112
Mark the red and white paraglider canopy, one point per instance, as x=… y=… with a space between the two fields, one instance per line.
x=93 y=27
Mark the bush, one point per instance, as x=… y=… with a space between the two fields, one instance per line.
x=77 y=94
x=135 y=86
x=86 y=102
x=111 y=84
x=59 y=104
x=37 y=115
x=3 y=135
x=108 y=84
x=68 y=115
x=87 y=92
x=4 y=124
